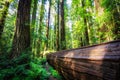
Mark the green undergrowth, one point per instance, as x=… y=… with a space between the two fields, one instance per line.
x=26 y=68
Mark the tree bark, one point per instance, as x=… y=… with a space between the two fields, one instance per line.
x=40 y=28
x=62 y=26
x=86 y=32
x=57 y=29
x=96 y=62
x=33 y=23
x=48 y=25
x=21 y=40
x=34 y=13
x=86 y=41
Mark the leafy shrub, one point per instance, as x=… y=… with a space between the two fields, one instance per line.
x=25 y=68
x=55 y=74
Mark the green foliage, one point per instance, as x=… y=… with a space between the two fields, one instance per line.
x=8 y=32
x=25 y=68
x=55 y=74
x=80 y=14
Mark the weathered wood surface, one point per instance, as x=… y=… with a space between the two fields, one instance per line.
x=97 y=62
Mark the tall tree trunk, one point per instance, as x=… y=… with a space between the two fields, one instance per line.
x=55 y=31
x=34 y=13
x=21 y=40
x=57 y=34
x=85 y=24
x=33 y=24
x=48 y=25
x=86 y=32
x=3 y=16
x=62 y=26
x=40 y=28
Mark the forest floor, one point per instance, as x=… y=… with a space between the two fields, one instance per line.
x=47 y=67
x=17 y=69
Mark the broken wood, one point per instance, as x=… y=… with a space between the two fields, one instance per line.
x=97 y=62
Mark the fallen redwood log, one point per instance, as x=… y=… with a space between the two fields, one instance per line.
x=97 y=62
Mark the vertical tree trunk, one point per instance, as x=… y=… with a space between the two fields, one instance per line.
x=86 y=32
x=34 y=13
x=21 y=40
x=3 y=16
x=57 y=34
x=40 y=28
x=55 y=31
x=86 y=41
x=33 y=24
x=48 y=25
x=62 y=26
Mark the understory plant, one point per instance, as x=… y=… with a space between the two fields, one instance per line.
x=25 y=68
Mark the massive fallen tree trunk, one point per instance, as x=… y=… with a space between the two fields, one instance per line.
x=97 y=62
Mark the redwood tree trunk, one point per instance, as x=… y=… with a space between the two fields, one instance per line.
x=39 y=46
x=86 y=40
x=48 y=25
x=86 y=32
x=57 y=34
x=21 y=40
x=62 y=27
x=34 y=15
x=34 y=12
x=55 y=31
x=33 y=24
